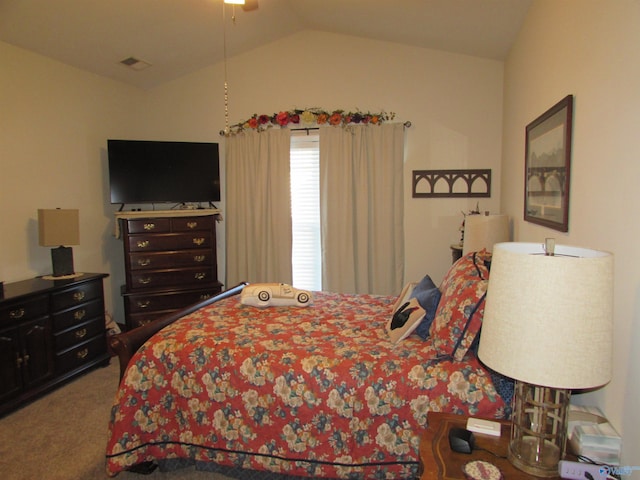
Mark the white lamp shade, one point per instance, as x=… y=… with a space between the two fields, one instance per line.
x=548 y=319
x=483 y=231
x=58 y=227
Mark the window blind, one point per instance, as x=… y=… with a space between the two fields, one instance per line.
x=305 y=211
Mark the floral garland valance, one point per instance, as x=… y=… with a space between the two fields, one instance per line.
x=308 y=118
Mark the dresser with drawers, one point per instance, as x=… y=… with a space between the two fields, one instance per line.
x=170 y=262
x=50 y=332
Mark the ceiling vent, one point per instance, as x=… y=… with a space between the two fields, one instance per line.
x=135 y=63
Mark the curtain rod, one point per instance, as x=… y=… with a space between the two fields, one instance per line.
x=406 y=124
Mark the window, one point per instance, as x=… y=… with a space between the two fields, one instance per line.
x=306 y=256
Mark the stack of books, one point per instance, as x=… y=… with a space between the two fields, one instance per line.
x=591 y=435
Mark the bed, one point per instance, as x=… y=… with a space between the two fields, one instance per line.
x=321 y=391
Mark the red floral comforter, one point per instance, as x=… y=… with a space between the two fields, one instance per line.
x=315 y=391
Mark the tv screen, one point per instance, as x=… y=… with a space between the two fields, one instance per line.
x=142 y=171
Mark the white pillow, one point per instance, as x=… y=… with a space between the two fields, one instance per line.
x=407 y=315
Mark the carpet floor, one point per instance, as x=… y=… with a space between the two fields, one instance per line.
x=63 y=435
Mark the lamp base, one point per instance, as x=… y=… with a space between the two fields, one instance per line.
x=62 y=261
x=539 y=429
x=525 y=455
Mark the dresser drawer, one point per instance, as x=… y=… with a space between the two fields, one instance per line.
x=169 y=241
x=186 y=277
x=162 y=260
x=31 y=308
x=149 y=225
x=190 y=224
x=79 y=334
x=136 y=320
x=74 y=316
x=77 y=295
x=158 y=301
x=80 y=354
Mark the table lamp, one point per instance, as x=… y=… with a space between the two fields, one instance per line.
x=548 y=325
x=58 y=228
x=483 y=231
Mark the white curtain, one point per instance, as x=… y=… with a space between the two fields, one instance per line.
x=361 y=201
x=258 y=206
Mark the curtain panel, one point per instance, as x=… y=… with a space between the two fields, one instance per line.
x=361 y=202
x=361 y=208
x=258 y=205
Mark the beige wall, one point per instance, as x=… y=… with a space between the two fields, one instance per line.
x=53 y=124
x=453 y=101
x=588 y=48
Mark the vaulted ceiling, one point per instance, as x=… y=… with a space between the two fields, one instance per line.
x=181 y=36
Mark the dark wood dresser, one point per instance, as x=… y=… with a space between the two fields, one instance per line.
x=170 y=262
x=50 y=332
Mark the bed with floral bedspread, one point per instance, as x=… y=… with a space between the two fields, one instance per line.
x=318 y=391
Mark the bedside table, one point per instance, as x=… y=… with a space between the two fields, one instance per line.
x=456 y=252
x=439 y=462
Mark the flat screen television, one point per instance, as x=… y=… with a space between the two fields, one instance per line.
x=143 y=172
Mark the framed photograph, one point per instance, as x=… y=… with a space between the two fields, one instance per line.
x=547 y=167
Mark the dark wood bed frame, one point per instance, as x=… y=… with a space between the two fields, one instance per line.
x=127 y=343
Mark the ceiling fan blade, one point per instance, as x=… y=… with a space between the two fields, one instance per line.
x=250 y=5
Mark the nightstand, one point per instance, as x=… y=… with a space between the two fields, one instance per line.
x=438 y=462
x=456 y=252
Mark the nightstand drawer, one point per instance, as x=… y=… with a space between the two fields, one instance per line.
x=78 y=334
x=80 y=354
x=75 y=316
x=76 y=296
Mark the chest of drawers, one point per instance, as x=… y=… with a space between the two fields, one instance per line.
x=50 y=332
x=170 y=262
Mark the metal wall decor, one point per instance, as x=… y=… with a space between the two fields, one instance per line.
x=451 y=183
x=547 y=162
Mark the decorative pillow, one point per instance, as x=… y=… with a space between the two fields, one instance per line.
x=505 y=387
x=407 y=315
x=459 y=315
x=428 y=296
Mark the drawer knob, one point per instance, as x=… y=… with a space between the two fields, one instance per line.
x=16 y=314
x=79 y=314
x=149 y=226
x=143 y=243
x=192 y=225
x=199 y=258
x=81 y=333
x=200 y=276
x=81 y=354
x=198 y=241
x=143 y=304
x=144 y=281
x=144 y=262
x=79 y=296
